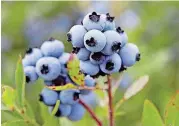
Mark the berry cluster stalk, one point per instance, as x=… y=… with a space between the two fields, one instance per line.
x=111 y=118
x=93 y=115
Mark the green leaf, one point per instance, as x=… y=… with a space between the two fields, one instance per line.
x=15 y=123
x=7 y=115
x=172 y=111
x=8 y=97
x=151 y=116
x=20 y=83
x=28 y=110
x=74 y=70
x=136 y=87
x=51 y=121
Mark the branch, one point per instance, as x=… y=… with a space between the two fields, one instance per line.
x=111 y=116
x=91 y=112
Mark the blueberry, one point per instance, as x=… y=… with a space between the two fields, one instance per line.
x=94 y=40
x=109 y=22
x=63 y=61
x=90 y=99
x=123 y=36
x=77 y=112
x=90 y=82
x=63 y=111
x=48 y=83
x=83 y=54
x=64 y=58
x=48 y=68
x=48 y=97
x=76 y=35
x=93 y=21
x=30 y=74
x=52 y=48
x=88 y=68
x=113 y=42
x=97 y=58
x=129 y=54
x=31 y=57
x=69 y=96
x=112 y=64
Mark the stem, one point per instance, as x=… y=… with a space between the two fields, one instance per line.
x=93 y=115
x=111 y=116
x=90 y=88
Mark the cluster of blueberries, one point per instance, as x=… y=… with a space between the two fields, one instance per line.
x=49 y=62
x=101 y=47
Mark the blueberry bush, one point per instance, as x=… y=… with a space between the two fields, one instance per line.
x=85 y=81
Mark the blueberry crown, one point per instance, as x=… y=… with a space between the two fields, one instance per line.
x=69 y=37
x=51 y=39
x=109 y=18
x=116 y=46
x=29 y=51
x=40 y=97
x=75 y=50
x=119 y=30
x=91 y=42
x=76 y=96
x=109 y=65
x=122 y=68
x=44 y=69
x=94 y=17
x=97 y=56
x=27 y=78
x=138 y=57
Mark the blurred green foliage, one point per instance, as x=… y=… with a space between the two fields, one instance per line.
x=156 y=35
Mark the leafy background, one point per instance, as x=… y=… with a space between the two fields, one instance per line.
x=153 y=26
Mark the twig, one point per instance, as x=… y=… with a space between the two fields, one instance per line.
x=111 y=117
x=91 y=88
x=93 y=115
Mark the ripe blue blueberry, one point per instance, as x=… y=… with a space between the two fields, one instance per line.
x=82 y=53
x=69 y=96
x=52 y=48
x=63 y=111
x=113 y=42
x=88 y=68
x=48 y=97
x=112 y=64
x=89 y=82
x=109 y=22
x=129 y=54
x=48 y=68
x=94 y=21
x=48 y=83
x=63 y=61
x=31 y=57
x=123 y=36
x=94 y=40
x=91 y=99
x=30 y=74
x=76 y=35
x=77 y=112
x=97 y=58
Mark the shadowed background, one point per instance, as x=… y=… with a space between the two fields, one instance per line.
x=153 y=26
